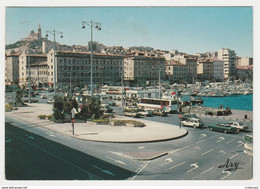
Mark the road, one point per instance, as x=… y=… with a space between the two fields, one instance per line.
x=196 y=156
x=32 y=157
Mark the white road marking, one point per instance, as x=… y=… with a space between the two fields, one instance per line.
x=7 y=139
x=173 y=151
x=213 y=136
x=240 y=143
x=206 y=171
x=201 y=141
x=228 y=174
x=197 y=148
x=203 y=135
x=230 y=141
x=234 y=156
x=104 y=171
x=30 y=137
x=194 y=165
x=177 y=165
x=169 y=160
x=223 y=153
x=140 y=170
x=115 y=160
x=220 y=139
x=141 y=147
x=207 y=152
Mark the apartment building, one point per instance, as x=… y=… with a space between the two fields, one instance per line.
x=245 y=72
x=175 y=71
x=229 y=58
x=26 y=60
x=244 y=61
x=205 y=69
x=218 y=69
x=74 y=69
x=39 y=73
x=140 y=70
x=12 y=68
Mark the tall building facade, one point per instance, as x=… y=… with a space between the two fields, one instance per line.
x=218 y=69
x=12 y=68
x=176 y=72
x=205 y=69
x=26 y=60
x=74 y=69
x=143 y=70
x=229 y=58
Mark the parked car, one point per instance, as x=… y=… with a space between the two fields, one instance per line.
x=131 y=109
x=106 y=108
x=43 y=96
x=146 y=113
x=132 y=114
x=111 y=103
x=161 y=113
x=50 y=101
x=222 y=127
x=239 y=125
x=192 y=122
x=248 y=146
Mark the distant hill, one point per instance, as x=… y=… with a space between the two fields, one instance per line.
x=35 y=46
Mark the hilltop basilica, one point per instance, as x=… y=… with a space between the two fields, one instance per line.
x=35 y=36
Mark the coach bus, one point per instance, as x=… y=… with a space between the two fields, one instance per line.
x=162 y=104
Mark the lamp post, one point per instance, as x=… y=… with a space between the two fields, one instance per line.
x=97 y=26
x=54 y=48
x=122 y=83
x=159 y=83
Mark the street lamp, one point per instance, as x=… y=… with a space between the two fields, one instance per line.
x=97 y=26
x=54 y=35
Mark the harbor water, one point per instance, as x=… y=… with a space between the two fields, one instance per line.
x=239 y=102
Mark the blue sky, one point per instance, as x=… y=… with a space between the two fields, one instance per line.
x=188 y=29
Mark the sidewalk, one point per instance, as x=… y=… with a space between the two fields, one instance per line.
x=153 y=131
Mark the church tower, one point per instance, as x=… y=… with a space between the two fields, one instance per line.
x=39 y=32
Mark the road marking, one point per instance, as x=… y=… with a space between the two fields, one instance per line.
x=213 y=136
x=140 y=170
x=230 y=141
x=177 y=165
x=203 y=135
x=197 y=148
x=141 y=147
x=57 y=157
x=234 y=156
x=240 y=142
x=7 y=139
x=169 y=160
x=206 y=171
x=118 y=161
x=104 y=171
x=30 y=137
x=220 y=139
x=194 y=165
x=173 y=151
x=207 y=152
x=200 y=141
x=223 y=153
x=228 y=174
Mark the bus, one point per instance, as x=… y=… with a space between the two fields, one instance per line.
x=170 y=106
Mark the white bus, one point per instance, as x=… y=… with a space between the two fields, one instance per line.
x=162 y=104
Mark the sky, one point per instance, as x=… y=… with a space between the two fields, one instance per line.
x=187 y=29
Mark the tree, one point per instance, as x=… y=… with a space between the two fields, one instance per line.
x=58 y=108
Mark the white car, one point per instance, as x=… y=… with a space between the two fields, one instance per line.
x=239 y=125
x=192 y=122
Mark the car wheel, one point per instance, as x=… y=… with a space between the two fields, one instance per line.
x=182 y=125
x=225 y=131
x=194 y=126
x=211 y=129
x=132 y=115
x=238 y=130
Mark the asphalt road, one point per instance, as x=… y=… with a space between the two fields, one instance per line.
x=32 y=157
x=52 y=156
